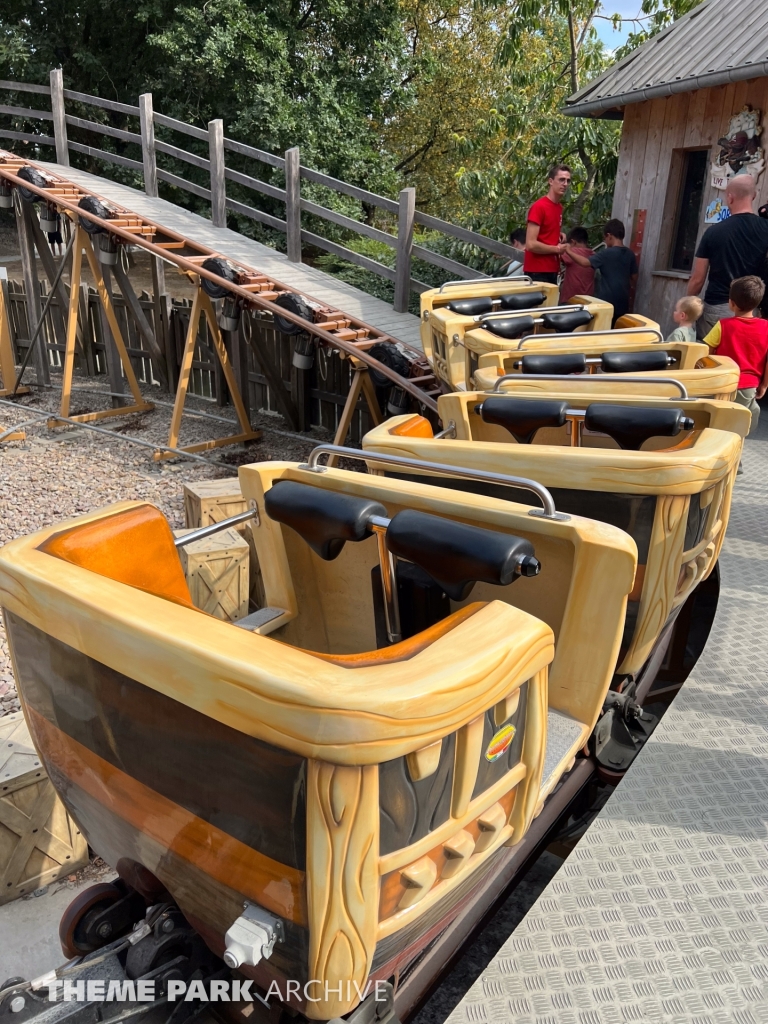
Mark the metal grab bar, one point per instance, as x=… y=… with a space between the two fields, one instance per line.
x=440 y=469
x=578 y=335
x=223 y=524
x=498 y=314
x=592 y=377
x=482 y=280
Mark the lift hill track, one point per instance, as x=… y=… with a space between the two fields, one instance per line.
x=253 y=288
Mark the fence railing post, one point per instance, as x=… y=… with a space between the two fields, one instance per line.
x=405 y=220
x=293 y=204
x=59 y=117
x=218 y=181
x=148 y=154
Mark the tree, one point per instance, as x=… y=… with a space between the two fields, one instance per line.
x=314 y=73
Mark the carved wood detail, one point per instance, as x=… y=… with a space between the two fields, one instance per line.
x=662 y=572
x=342 y=880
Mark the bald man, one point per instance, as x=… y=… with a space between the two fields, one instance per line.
x=735 y=247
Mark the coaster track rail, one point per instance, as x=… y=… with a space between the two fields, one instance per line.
x=342 y=331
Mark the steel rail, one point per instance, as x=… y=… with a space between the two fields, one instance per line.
x=505 y=314
x=620 y=378
x=484 y=280
x=188 y=265
x=577 y=336
x=548 y=510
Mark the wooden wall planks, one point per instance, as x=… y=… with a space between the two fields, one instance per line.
x=648 y=177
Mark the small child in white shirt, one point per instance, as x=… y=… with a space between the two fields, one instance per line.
x=687 y=312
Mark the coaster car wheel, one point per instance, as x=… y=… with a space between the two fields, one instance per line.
x=34 y=177
x=77 y=933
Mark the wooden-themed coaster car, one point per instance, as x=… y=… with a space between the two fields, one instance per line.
x=457 y=343
x=323 y=790
x=661 y=469
x=484 y=295
x=600 y=366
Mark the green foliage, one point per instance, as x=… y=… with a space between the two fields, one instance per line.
x=312 y=73
x=459 y=98
x=654 y=16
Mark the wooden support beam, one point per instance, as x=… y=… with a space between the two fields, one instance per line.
x=361 y=384
x=31 y=287
x=59 y=117
x=148 y=153
x=132 y=301
x=49 y=265
x=405 y=222
x=116 y=384
x=7 y=361
x=275 y=381
x=218 y=181
x=293 y=204
x=83 y=242
x=202 y=305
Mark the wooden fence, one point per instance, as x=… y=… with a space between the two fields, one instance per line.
x=261 y=357
x=399 y=216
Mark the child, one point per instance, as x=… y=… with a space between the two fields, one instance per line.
x=744 y=338
x=617 y=266
x=687 y=312
x=577 y=280
x=515 y=266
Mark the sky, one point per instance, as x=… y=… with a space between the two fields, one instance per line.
x=606 y=31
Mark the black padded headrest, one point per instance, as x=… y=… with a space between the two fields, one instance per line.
x=630 y=426
x=565 y=322
x=635 y=362
x=457 y=555
x=522 y=300
x=522 y=417
x=325 y=519
x=566 y=362
x=515 y=327
x=471 y=307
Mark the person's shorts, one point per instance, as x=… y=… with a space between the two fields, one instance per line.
x=746 y=396
x=541 y=276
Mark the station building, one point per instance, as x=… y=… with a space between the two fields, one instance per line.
x=693 y=101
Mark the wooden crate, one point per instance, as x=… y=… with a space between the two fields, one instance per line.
x=39 y=842
x=217 y=573
x=210 y=501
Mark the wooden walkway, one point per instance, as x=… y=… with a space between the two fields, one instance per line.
x=314 y=283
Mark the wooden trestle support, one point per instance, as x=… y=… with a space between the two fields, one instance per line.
x=251 y=288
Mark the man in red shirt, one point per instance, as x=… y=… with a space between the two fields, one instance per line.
x=744 y=338
x=543 y=237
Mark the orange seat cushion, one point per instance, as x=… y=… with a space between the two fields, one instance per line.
x=406 y=648
x=134 y=547
x=416 y=426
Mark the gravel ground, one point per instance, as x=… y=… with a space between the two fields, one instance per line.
x=56 y=474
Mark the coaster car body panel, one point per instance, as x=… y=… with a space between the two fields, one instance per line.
x=492 y=288
x=358 y=794
x=673 y=496
x=703 y=374
x=453 y=343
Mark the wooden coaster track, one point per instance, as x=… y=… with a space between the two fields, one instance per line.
x=255 y=289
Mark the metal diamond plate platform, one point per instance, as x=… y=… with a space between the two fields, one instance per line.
x=661 y=913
